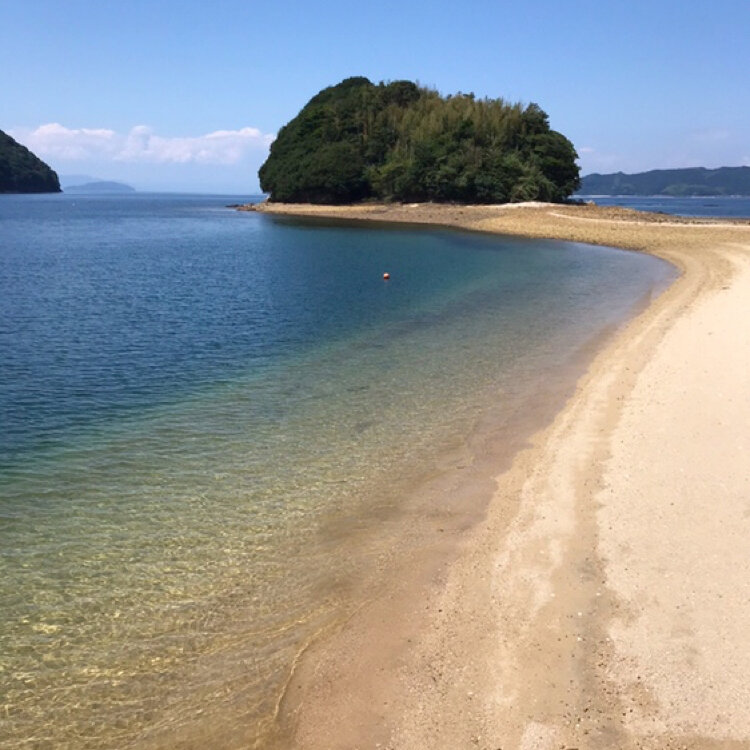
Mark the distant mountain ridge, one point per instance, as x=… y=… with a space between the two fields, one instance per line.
x=676 y=182
x=24 y=172
x=66 y=180
x=100 y=186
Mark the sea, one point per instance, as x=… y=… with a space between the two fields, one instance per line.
x=212 y=428
x=732 y=207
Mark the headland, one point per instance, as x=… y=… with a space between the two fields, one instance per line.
x=602 y=601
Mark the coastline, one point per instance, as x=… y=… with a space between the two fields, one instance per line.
x=601 y=600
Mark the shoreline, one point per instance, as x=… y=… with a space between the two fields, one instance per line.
x=561 y=621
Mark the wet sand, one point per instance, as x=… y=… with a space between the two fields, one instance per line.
x=603 y=599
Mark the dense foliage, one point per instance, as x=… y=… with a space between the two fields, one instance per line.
x=22 y=172
x=676 y=182
x=401 y=142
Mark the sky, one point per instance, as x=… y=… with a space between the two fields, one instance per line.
x=187 y=96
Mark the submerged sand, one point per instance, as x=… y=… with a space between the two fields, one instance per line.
x=604 y=599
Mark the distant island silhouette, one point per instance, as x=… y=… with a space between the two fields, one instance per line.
x=674 y=182
x=100 y=186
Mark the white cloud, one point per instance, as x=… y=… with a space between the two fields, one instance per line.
x=141 y=144
x=54 y=139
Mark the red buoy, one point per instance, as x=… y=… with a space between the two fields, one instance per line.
x=386 y=276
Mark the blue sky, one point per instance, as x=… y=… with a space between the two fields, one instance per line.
x=188 y=95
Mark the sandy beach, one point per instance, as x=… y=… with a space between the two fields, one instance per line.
x=603 y=600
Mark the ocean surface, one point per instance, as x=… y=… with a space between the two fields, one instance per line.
x=735 y=207
x=208 y=417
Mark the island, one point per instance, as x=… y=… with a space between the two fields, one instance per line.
x=670 y=182
x=23 y=172
x=100 y=186
x=398 y=141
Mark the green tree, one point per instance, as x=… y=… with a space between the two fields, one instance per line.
x=397 y=141
x=23 y=172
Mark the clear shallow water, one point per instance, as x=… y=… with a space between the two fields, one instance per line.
x=735 y=207
x=196 y=402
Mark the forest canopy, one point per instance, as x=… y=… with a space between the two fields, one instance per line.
x=401 y=142
x=23 y=172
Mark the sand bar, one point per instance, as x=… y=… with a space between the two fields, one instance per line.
x=604 y=600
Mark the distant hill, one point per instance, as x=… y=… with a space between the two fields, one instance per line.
x=398 y=141
x=676 y=182
x=66 y=180
x=100 y=186
x=23 y=172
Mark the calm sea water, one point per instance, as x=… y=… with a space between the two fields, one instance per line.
x=200 y=408
x=735 y=207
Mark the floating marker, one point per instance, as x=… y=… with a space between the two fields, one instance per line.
x=386 y=276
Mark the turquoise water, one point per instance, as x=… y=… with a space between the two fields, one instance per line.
x=206 y=414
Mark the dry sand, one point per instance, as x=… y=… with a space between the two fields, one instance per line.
x=604 y=600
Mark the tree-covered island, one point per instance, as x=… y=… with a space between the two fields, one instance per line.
x=23 y=172
x=401 y=142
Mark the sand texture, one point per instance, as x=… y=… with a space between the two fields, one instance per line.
x=604 y=599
